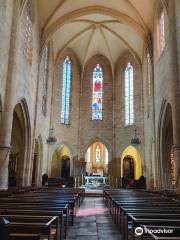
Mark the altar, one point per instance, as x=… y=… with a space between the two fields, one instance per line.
x=95 y=181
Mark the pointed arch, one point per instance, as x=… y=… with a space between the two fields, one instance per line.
x=165 y=143
x=97 y=139
x=19 y=161
x=45 y=79
x=161 y=31
x=133 y=153
x=97 y=158
x=129 y=94
x=66 y=90
x=52 y=28
x=160 y=26
x=97 y=92
x=28 y=17
x=62 y=154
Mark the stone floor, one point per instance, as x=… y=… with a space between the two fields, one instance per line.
x=93 y=222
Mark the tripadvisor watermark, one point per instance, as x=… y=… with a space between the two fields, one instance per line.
x=139 y=231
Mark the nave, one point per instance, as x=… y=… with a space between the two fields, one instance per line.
x=93 y=222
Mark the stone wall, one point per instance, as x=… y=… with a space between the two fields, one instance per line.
x=19 y=76
x=123 y=133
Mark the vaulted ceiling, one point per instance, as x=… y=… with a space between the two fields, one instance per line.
x=92 y=27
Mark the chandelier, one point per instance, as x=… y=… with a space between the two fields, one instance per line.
x=135 y=139
x=51 y=138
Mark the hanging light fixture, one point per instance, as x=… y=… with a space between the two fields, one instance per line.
x=51 y=138
x=135 y=140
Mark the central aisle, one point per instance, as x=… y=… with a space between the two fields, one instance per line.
x=93 y=222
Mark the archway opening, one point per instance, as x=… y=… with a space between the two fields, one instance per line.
x=18 y=153
x=97 y=158
x=131 y=166
x=61 y=163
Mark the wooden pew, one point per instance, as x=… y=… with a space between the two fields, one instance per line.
x=43 y=225
x=25 y=236
x=37 y=212
x=60 y=203
x=132 y=207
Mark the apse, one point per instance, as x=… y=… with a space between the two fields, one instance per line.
x=97 y=159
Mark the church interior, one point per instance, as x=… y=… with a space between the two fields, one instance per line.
x=89 y=119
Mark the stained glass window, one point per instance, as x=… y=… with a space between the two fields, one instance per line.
x=161 y=32
x=45 y=80
x=66 y=91
x=98 y=153
x=129 y=98
x=27 y=49
x=149 y=74
x=97 y=93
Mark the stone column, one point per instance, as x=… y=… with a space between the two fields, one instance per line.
x=4 y=157
x=7 y=115
x=175 y=91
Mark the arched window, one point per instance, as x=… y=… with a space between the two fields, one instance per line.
x=98 y=153
x=161 y=32
x=66 y=91
x=27 y=48
x=129 y=95
x=45 y=79
x=149 y=85
x=97 y=93
x=148 y=75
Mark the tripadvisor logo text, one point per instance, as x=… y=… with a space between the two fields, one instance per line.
x=138 y=231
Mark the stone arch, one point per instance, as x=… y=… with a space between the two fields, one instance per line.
x=134 y=154
x=64 y=143
x=97 y=140
x=165 y=143
x=87 y=82
x=105 y=63
x=20 y=146
x=61 y=153
x=47 y=33
x=120 y=90
x=91 y=164
x=75 y=87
